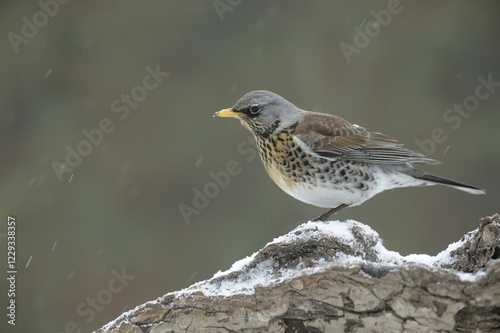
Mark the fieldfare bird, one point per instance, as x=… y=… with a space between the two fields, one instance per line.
x=324 y=160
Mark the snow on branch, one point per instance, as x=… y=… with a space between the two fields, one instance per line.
x=338 y=277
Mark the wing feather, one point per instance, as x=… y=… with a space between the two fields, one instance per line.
x=332 y=137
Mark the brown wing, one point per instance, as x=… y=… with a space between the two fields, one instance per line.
x=332 y=137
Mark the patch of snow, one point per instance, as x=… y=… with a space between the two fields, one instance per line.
x=245 y=284
x=469 y=277
x=444 y=257
x=423 y=259
x=336 y=229
x=125 y=315
x=250 y=274
x=387 y=256
x=263 y=274
x=238 y=265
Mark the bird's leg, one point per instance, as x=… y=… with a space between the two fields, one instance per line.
x=330 y=212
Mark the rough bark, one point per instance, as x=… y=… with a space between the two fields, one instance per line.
x=337 y=284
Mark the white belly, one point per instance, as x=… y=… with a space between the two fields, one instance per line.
x=331 y=196
x=328 y=197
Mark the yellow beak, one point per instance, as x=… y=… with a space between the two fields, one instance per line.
x=224 y=113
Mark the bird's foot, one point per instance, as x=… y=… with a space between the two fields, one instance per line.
x=323 y=217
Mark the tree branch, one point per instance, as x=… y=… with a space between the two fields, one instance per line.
x=338 y=277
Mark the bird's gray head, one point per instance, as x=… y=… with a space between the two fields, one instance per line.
x=263 y=112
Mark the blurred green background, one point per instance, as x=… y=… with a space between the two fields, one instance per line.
x=119 y=209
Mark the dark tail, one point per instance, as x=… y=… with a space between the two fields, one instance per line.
x=419 y=174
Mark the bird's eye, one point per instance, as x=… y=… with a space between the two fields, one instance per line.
x=254 y=109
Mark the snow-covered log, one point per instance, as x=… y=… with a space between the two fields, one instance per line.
x=338 y=277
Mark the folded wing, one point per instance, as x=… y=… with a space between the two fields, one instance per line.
x=333 y=138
